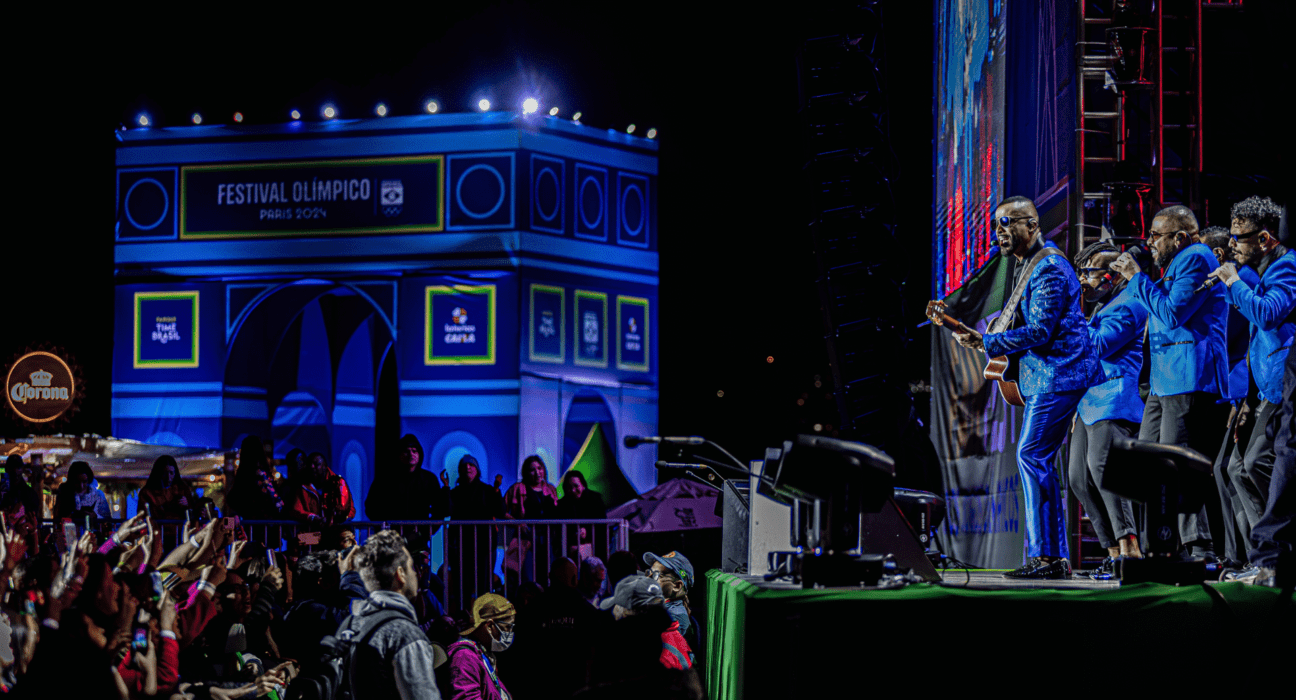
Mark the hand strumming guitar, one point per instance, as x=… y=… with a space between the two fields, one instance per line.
x=970 y=339
x=965 y=336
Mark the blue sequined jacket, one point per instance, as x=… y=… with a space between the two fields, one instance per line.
x=1055 y=351
x=1187 y=329
x=1268 y=305
x=1117 y=334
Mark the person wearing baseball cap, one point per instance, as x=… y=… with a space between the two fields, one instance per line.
x=643 y=595
x=473 y=671
x=675 y=574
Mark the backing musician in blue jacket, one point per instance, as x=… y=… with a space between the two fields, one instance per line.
x=1186 y=341
x=1111 y=409
x=1268 y=306
x=1232 y=519
x=1056 y=364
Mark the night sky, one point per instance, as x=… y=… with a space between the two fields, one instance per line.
x=719 y=84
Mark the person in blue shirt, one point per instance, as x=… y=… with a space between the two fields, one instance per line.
x=1268 y=306
x=1187 y=326
x=1111 y=409
x=1056 y=365
x=1238 y=336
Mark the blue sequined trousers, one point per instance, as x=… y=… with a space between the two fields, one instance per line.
x=1046 y=422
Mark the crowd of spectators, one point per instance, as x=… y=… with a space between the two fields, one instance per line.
x=222 y=617
x=206 y=612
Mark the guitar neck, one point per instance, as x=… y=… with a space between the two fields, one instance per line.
x=953 y=324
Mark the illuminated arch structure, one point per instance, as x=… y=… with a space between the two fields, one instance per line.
x=487 y=282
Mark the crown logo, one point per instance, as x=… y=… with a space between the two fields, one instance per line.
x=41 y=378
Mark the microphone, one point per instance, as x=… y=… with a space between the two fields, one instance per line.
x=1207 y=284
x=661 y=464
x=636 y=440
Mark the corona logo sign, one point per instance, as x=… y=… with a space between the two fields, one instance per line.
x=40 y=387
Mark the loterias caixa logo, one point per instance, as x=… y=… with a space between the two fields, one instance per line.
x=40 y=387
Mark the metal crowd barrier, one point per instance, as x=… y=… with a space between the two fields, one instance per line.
x=469 y=549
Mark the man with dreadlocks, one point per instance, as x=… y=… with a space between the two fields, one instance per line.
x=1111 y=409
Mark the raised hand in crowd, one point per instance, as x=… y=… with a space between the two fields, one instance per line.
x=132 y=528
x=146 y=664
x=273 y=578
x=167 y=613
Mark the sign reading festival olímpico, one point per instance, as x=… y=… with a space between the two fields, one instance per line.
x=40 y=387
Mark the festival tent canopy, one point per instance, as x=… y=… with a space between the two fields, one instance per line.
x=678 y=504
x=112 y=458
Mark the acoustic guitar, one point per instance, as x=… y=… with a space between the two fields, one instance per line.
x=997 y=369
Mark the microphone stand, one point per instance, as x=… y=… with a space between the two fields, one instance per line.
x=688 y=471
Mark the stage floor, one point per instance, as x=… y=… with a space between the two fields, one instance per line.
x=992 y=579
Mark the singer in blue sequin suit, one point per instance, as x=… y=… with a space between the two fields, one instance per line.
x=1057 y=364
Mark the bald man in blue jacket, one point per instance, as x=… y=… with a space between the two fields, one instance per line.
x=1187 y=330
x=1056 y=365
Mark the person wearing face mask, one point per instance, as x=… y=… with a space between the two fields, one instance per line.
x=636 y=595
x=1268 y=306
x=474 y=673
x=397 y=661
x=675 y=574
x=1111 y=409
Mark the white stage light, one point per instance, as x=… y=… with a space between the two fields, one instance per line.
x=381 y=110
x=432 y=106
x=530 y=105
x=553 y=111
x=483 y=104
x=197 y=118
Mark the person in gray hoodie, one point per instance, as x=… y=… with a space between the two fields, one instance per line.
x=397 y=660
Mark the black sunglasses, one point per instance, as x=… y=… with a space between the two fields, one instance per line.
x=1006 y=221
x=1256 y=232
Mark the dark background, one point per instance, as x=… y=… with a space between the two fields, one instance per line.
x=720 y=84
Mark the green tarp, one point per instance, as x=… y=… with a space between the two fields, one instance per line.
x=786 y=643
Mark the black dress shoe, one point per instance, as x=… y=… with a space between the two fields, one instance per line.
x=1106 y=571
x=1037 y=568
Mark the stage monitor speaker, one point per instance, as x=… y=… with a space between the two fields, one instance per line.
x=889 y=532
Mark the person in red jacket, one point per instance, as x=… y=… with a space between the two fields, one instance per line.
x=319 y=496
x=638 y=595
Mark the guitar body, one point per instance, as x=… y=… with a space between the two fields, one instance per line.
x=999 y=369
